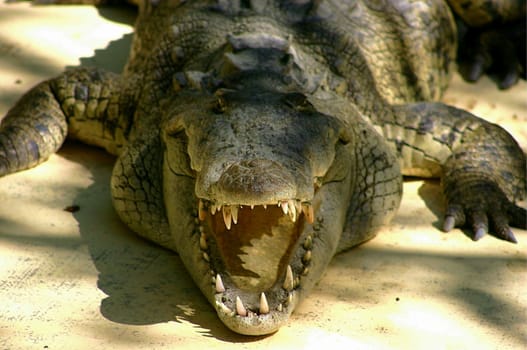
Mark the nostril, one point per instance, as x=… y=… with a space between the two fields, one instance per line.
x=256 y=179
x=258 y=163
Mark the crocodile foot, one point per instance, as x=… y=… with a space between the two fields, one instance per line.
x=485 y=208
x=498 y=51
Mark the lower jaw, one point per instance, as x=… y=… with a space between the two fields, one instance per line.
x=282 y=297
x=241 y=309
x=256 y=325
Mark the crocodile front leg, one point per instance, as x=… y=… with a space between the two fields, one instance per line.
x=491 y=35
x=85 y=104
x=483 y=178
x=32 y=130
x=483 y=169
x=97 y=108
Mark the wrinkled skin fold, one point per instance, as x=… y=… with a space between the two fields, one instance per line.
x=257 y=139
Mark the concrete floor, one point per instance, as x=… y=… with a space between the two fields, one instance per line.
x=84 y=281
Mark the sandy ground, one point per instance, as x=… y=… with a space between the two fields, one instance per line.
x=83 y=281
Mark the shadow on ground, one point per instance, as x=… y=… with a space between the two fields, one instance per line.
x=145 y=284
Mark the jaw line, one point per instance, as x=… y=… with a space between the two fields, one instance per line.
x=312 y=253
x=255 y=325
x=186 y=230
x=281 y=296
x=319 y=238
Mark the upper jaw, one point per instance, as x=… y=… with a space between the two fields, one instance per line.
x=252 y=182
x=293 y=208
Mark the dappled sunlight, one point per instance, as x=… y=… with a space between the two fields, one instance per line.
x=425 y=319
x=42 y=209
x=417 y=293
x=82 y=279
x=52 y=48
x=420 y=321
x=317 y=338
x=53 y=42
x=33 y=202
x=459 y=94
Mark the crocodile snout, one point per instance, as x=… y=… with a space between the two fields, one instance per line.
x=255 y=181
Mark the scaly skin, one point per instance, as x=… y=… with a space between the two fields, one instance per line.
x=478 y=13
x=258 y=139
x=492 y=36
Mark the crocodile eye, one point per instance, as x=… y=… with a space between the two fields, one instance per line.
x=174 y=126
x=345 y=136
x=298 y=101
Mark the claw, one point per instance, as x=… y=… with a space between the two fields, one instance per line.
x=505 y=232
x=509 y=236
x=449 y=223
x=502 y=228
x=454 y=216
x=480 y=224
x=508 y=79
x=476 y=69
x=479 y=233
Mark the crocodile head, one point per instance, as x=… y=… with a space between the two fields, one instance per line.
x=256 y=189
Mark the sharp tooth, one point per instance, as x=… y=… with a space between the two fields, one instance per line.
x=252 y=206
x=234 y=213
x=280 y=307
x=292 y=210
x=203 y=241
x=307 y=257
x=227 y=216
x=288 y=281
x=202 y=213
x=289 y=298
x=308 y=212
x=220 y=288
x=224 y=307
x=265 y=206
x=298 y=206
x=240 y=309
x=213 y=209
x=284 y=206
x=264 y=306
x=308 y=243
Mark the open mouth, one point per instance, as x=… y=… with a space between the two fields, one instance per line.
x=256 y=253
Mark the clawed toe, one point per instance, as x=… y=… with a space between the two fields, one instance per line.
x=482 y=222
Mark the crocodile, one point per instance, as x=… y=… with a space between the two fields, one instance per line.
x=257 y=139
